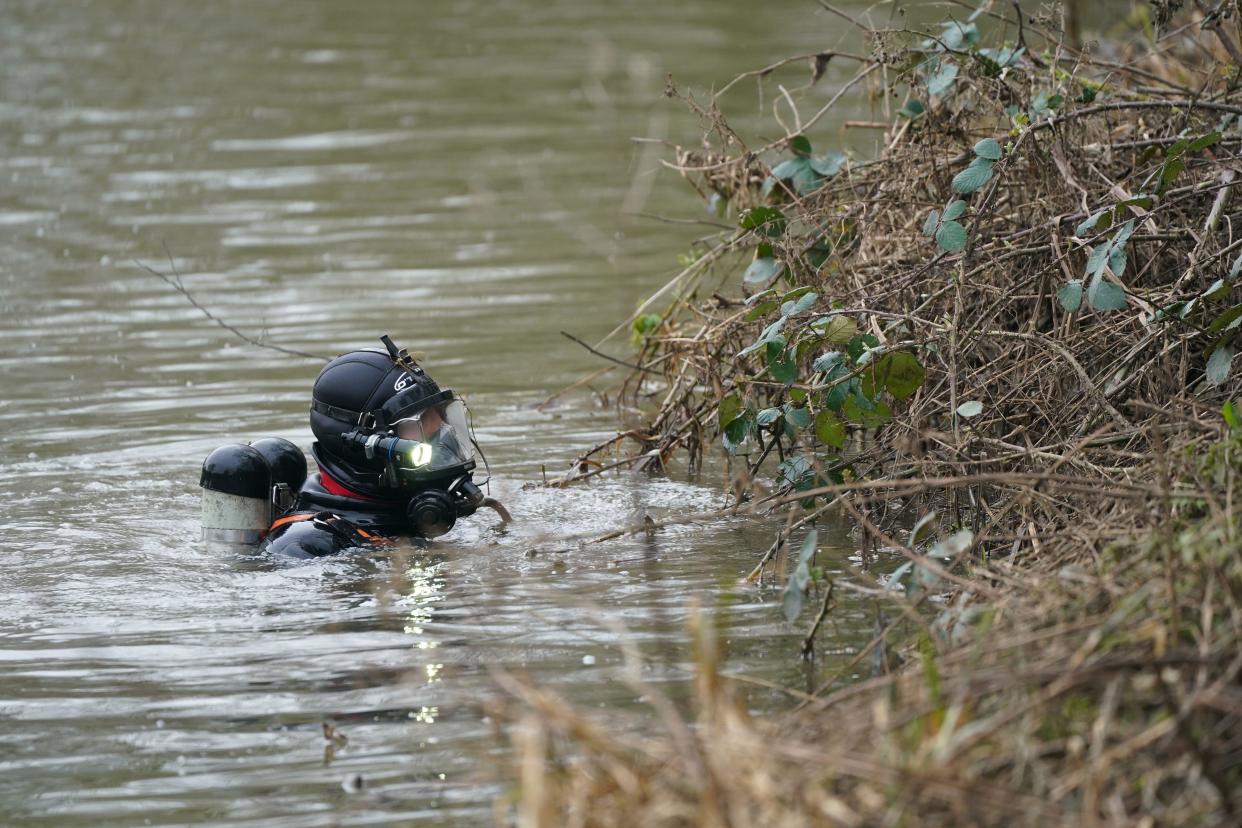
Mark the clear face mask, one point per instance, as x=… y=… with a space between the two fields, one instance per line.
x=442 y=435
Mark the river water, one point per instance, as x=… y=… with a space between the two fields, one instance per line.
x=457 y=174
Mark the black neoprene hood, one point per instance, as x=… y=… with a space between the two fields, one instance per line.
x=365 y=389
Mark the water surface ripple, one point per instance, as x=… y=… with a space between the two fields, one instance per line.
x=318 y=173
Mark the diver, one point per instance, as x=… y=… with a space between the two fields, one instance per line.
x=395 y=454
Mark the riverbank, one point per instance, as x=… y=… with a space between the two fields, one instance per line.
x=1003 y=346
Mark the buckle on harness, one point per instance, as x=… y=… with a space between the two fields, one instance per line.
x=283 y=499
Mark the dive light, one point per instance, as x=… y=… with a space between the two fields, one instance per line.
x=405 y=454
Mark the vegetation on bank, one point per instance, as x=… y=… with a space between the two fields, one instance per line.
x=1012 y=329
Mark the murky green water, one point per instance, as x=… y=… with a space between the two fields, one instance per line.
x=456 y=174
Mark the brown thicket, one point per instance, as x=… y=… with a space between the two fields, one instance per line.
x=1087 y=669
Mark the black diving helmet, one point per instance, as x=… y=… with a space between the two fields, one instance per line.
x=389 y=432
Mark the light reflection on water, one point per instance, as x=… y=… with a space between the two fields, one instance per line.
x=449 y=173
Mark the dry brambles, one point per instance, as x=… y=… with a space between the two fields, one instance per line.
x=1020 y=316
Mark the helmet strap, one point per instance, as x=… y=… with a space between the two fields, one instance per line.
x=400 y=356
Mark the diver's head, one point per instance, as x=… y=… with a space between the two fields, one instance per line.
x=364 y=398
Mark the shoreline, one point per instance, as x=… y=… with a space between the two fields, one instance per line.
x=1012 y=329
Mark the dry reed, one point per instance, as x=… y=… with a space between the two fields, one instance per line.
x=1087 y=668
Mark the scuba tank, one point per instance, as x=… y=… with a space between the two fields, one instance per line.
x=246 y=487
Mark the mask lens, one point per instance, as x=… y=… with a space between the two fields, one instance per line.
x=422 y=426
x=441 y=437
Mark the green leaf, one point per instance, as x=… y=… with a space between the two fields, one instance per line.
x=1218 y=364
x=795 y=471
x=828 y=361
x=858 y=409
x=798 y=172
x=1177 y=149
x=953 y=546
x=730 y=409
x=767 y=416
x=900 y=372
x=793 y=308
x=877 y=416
x=1226 y=321
x=762 y=271
x=830 y=164
x=973 y=177
x=933 y=221
x=954 y=210
x=1168 y=312
x=1070 y=295
x=1141 y=201
x=1043 y=103
x=989 y=149
x=925 y=525
x=942 y=80
x=760 y=310
x=951 y=237
x=791 y=599
x=1123 y=234
x=1005 y=56
x=829 y=429
x=836 y=329
x=788 y=168
x=781 y=365
x=860 y=344
x=735 y=433
x=970 y=408
x=797 y=416
x=806 y=180
x=1094 y=222
x=1103 y=295
x=800 y=146
x=912 y=109
x=955 y=35
x=1098 y=258
x=647 y=323
x=893 y=582
x=868 y=354
x=1218 y=290
x=771 y=333
x=1169 y=173
x=836 y=396
x=1230 y=413
x=1117 y=260
x=762 y=216
x=1204 y=142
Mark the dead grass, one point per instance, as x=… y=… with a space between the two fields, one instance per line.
x=1087 y=671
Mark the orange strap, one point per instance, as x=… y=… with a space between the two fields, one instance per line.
x=285 y=521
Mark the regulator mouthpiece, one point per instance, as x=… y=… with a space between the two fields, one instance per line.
x=432 y=513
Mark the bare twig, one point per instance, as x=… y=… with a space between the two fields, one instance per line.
x=176 y=284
